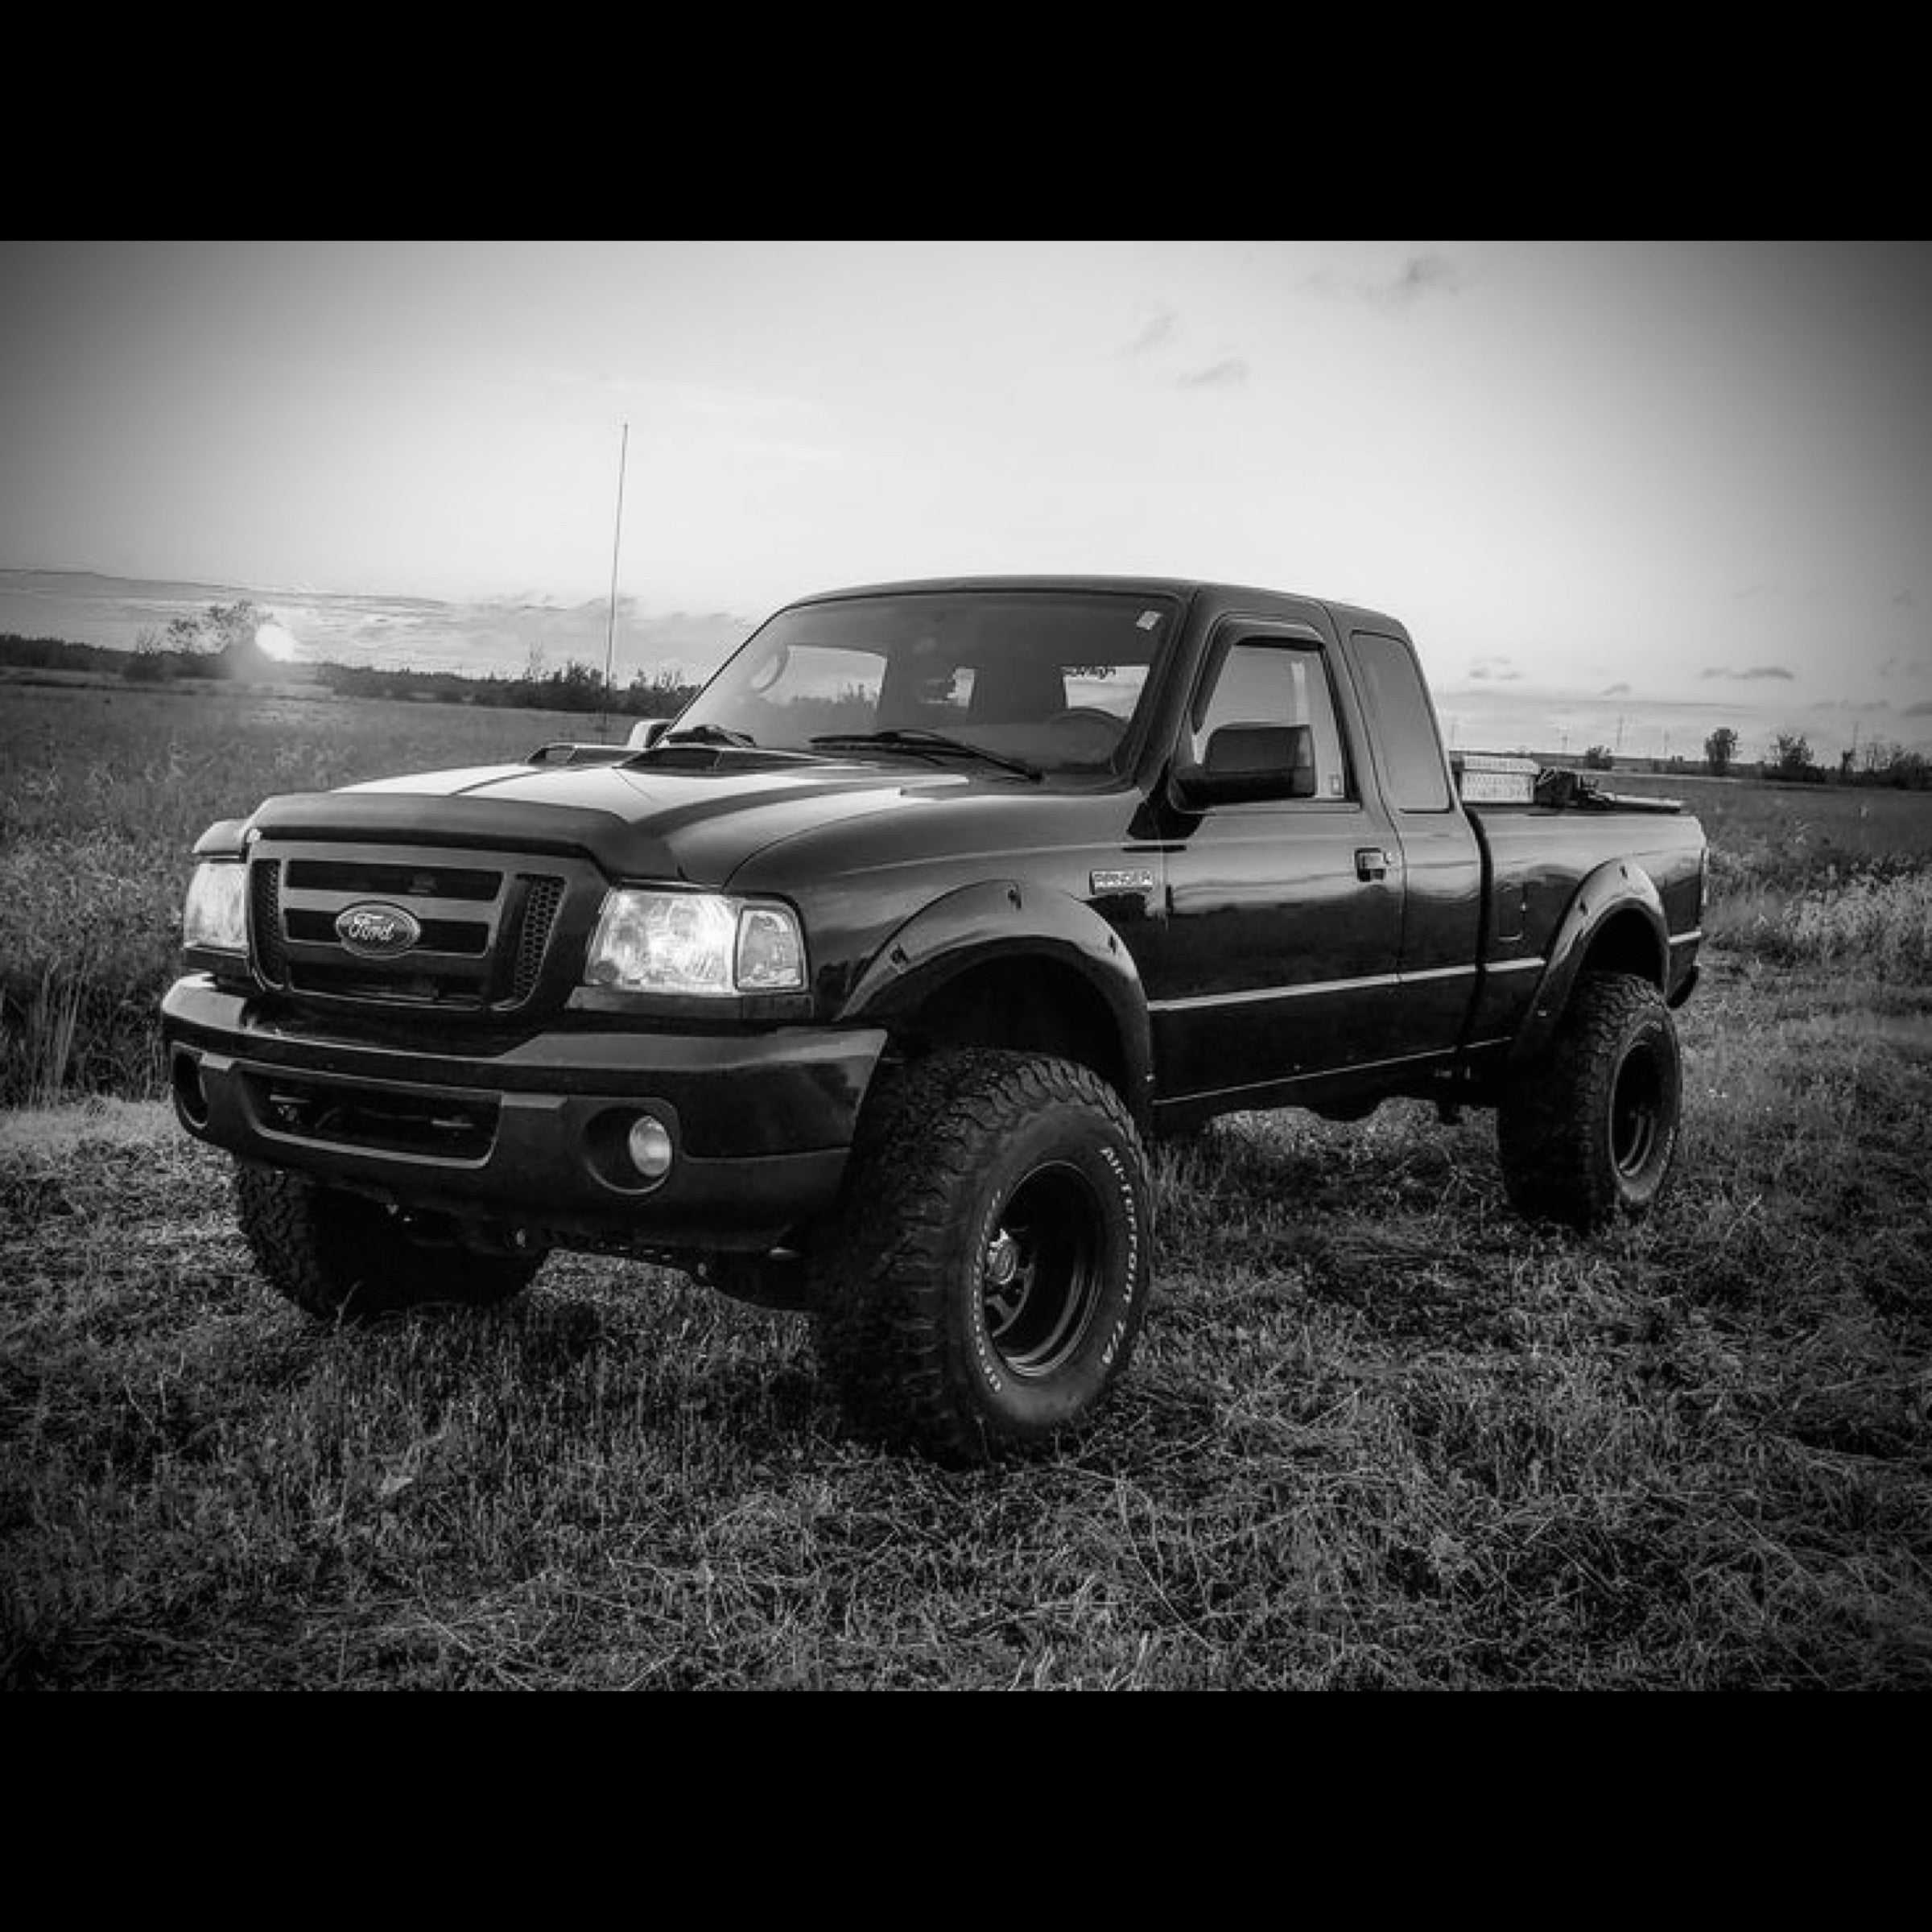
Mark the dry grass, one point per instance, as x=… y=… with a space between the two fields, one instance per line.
x=103 y=792
x=1380 y=1433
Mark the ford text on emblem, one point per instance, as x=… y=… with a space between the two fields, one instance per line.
x=377 y=932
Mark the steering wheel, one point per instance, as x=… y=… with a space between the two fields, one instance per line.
x=1102 y=727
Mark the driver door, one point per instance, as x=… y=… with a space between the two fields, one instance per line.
x=1284 y=914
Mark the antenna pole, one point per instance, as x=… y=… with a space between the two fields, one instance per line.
x=610 y=627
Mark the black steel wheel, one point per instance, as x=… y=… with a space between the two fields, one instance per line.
x=1041 y=1277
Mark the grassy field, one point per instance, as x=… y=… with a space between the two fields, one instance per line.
x=103 y=792
x=1816 y=871
x=1380 y=1433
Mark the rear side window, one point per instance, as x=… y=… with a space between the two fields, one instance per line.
x=1411 y=751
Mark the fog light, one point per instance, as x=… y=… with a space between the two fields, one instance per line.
x=650 y=1145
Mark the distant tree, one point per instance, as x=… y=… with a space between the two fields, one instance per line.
x=1599 y=757
x=1791 y=755
x=151 y=662
x=662 y=695
x=221 y=641
x=1720 y=748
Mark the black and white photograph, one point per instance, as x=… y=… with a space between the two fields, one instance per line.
x=966 y=965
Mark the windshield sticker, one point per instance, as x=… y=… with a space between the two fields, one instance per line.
x=1147 y=620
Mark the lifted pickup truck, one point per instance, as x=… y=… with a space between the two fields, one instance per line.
x=861 y=988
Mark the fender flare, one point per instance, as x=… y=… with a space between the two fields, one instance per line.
x=1610 y=891
x=1008 y=919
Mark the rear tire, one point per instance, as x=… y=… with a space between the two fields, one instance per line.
x=342 y=1257
x=1589 y=1135
x=983 y=1279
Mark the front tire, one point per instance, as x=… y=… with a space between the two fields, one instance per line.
x=340 y=1257
x=1589 y=1136
x=985 y=1277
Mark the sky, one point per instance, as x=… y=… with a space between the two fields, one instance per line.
x=1620 y=493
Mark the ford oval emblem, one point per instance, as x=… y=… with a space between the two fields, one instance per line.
x=376 y=932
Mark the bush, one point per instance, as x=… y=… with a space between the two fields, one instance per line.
x=1885 y=924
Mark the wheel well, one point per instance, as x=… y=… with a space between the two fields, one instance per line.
x=1031 y=1004
x=1626 y=945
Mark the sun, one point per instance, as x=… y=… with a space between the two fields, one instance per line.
x=275 y=641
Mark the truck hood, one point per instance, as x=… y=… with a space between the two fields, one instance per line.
x=699 y=826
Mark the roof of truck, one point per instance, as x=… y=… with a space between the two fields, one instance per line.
x=1184 y=587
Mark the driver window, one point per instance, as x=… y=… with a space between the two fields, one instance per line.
x=1266 y=683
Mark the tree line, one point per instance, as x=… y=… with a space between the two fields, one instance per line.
x=220 y=645
x=1788 y=759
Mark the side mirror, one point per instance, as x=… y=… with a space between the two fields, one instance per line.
x=1244 y=763
x=647 y=731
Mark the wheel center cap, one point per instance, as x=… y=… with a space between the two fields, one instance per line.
x=1002 y=1261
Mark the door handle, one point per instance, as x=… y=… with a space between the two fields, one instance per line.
x=1372 y=862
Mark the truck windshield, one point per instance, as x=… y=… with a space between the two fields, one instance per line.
x=1045 y=678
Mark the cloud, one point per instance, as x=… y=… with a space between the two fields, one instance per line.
x=1161 y=334
x=1904 y=601
x=1921 y=709
x=1614 y=690
x=1231 y=371
x=1756 y=671
x=1501 y=671
x=1160 y=329
x=1418 y=279
x=1420 y=275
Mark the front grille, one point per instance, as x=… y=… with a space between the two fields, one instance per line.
x=484 y=925
x=264 y=901
x=466 y=938
x=540 y=906
x=361 y=880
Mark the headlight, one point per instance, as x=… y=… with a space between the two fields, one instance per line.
x=695 y=942
x=215 y=916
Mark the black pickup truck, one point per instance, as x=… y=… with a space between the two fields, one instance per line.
x=862 y=988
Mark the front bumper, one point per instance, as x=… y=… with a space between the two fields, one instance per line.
x=529 y=1133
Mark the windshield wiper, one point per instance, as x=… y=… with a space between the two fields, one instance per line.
x=931 y=743
x=707 y=733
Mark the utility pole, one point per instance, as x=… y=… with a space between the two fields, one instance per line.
x=610 y=626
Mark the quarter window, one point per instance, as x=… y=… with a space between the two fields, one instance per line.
x=1410 y=748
